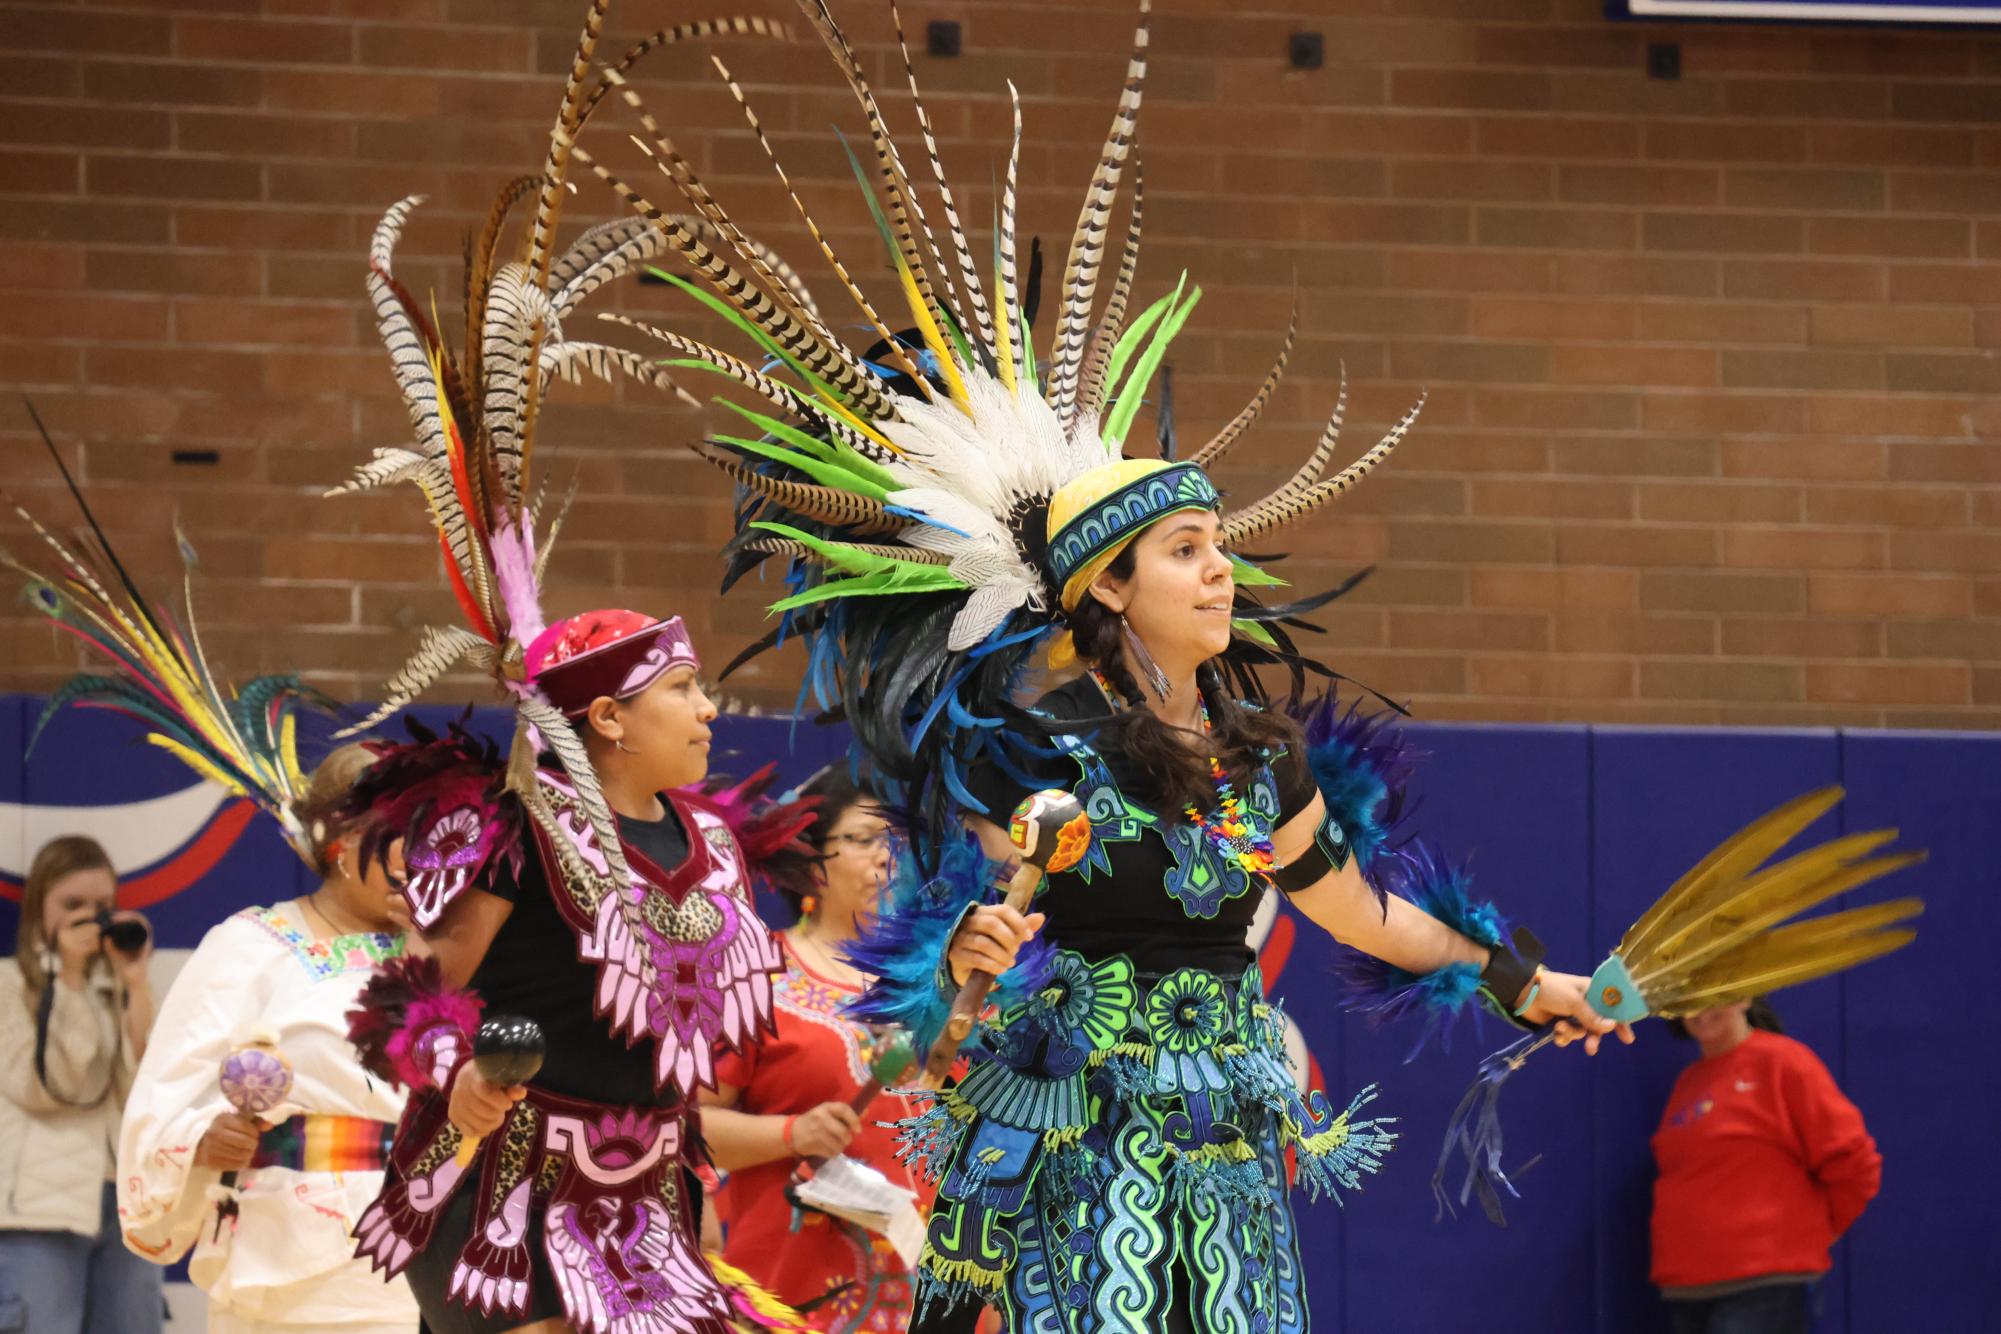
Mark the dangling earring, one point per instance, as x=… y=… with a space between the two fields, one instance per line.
x=809 y=905
x=620 y=743
x=1144 y=661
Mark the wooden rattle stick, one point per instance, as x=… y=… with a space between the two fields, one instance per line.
x=508 y=1050
x=892 y=1059
x=1052 y=833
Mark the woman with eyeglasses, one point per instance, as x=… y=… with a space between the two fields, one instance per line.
x=790 y=1099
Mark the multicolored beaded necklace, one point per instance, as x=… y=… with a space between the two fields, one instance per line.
x=1235 y=831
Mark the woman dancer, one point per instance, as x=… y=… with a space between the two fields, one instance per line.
x=274 y=1251
x=791 y=1097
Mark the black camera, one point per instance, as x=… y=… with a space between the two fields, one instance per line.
x=127 y=935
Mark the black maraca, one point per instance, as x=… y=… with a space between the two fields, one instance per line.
x=508 y=1050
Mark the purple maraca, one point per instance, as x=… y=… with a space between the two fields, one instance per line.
x=256 y=1077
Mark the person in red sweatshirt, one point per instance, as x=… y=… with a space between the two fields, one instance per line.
x=1763 y=1165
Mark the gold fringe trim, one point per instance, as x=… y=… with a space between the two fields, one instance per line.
x=1236 y=1151
x=969 y=1272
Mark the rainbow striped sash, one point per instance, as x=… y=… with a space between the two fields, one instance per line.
x=326 y=1144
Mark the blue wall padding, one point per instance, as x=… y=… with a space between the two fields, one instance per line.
x=1573 y=830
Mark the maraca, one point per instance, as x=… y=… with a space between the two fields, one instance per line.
x=1052 y=832
x=508 y=1050
x=255 y=1077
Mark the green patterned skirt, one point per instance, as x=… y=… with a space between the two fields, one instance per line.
x=1122 y=1152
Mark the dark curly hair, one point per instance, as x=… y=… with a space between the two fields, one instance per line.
x=1243 y=737
x=791 y=872
x=1761 y=1015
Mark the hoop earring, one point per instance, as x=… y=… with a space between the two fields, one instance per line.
x=1144 y=660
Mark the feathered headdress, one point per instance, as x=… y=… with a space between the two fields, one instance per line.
x=473 y=412
x=908 y=487
x=242 y=738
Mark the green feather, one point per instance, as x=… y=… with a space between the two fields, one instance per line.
x=1127 y=407
x=833 y=451
x=868 y=572
x=821 y=471
x=1252 y=630
x=1122 y=351
x=1250 y=576
x=757 y=335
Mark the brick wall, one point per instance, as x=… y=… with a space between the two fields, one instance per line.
x=1711 y=362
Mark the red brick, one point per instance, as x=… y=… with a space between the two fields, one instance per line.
x=1723 y=233
x=1543 y=677
x=1527 y=317
x=1472 y=180
x=1566 y=137
x=1465 y=540
x=103 y=319
x=1945 y=461
x=1498 y=631
x=262 y=323
x=1712 y=322
x=1794 y=638
x=1912 y=238
x=1718 y=502
x=48 y=125
x=41 y=76
x=170 y=84
x=1637 y=456
x=1639 y=275
x=34 y=173
x=1550 y=498
x=1804 y=280
x=81 y=221
x=1555 y=229
x=263 y=41
x=1727 y=141
x=1946 y=284
x=1663 y=590
x=1874 y=415
x=43 y=267
x=1891 y=146
x=1803 y=548
x=1578 y=363
x=173 y=177
x=1892 y=326
x=1889 y=682
x=1889 y=595
x=1635 y=545
x=1817 y=191
x=1899 y=506
x=1794 y=99
x=1468 y=270
x=1554 y=587
x=64 y=28
x=1646 y=186
x=1812 y=459
x=249 y=133
x=1557 y=409
x=1768 y=368
x=166 y=271
x=1729 y=680
x=1481 y=90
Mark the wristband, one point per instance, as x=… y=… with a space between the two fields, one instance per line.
x=1509 y=982
x=785 y=1132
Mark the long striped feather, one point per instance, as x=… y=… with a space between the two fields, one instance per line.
x=1087 y=243
x=1095 y=380
x=1220 y=443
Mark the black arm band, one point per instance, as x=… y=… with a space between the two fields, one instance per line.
x=1328 y=854
x=1510 y=969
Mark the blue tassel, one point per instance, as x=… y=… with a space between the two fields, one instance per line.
x=1474 y=1130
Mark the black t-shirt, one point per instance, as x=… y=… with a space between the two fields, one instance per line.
x=532 y=970
x=1153 y=888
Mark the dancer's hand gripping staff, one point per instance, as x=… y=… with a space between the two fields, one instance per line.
x=1052 y=833
x=507 y=1051
x=1715 y=937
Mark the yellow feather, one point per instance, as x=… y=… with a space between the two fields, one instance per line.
x=198 y=762
x=1775 y=962
x=934 y=338
x=1004 y=347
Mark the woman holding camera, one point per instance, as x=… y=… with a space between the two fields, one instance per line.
x=76 y=1008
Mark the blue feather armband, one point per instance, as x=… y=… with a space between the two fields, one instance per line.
x=1361 y=766
x=1386 y=992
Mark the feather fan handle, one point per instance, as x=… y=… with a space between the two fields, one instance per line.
x=898 y=357
x=1087 y=244
x=1220 y=443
